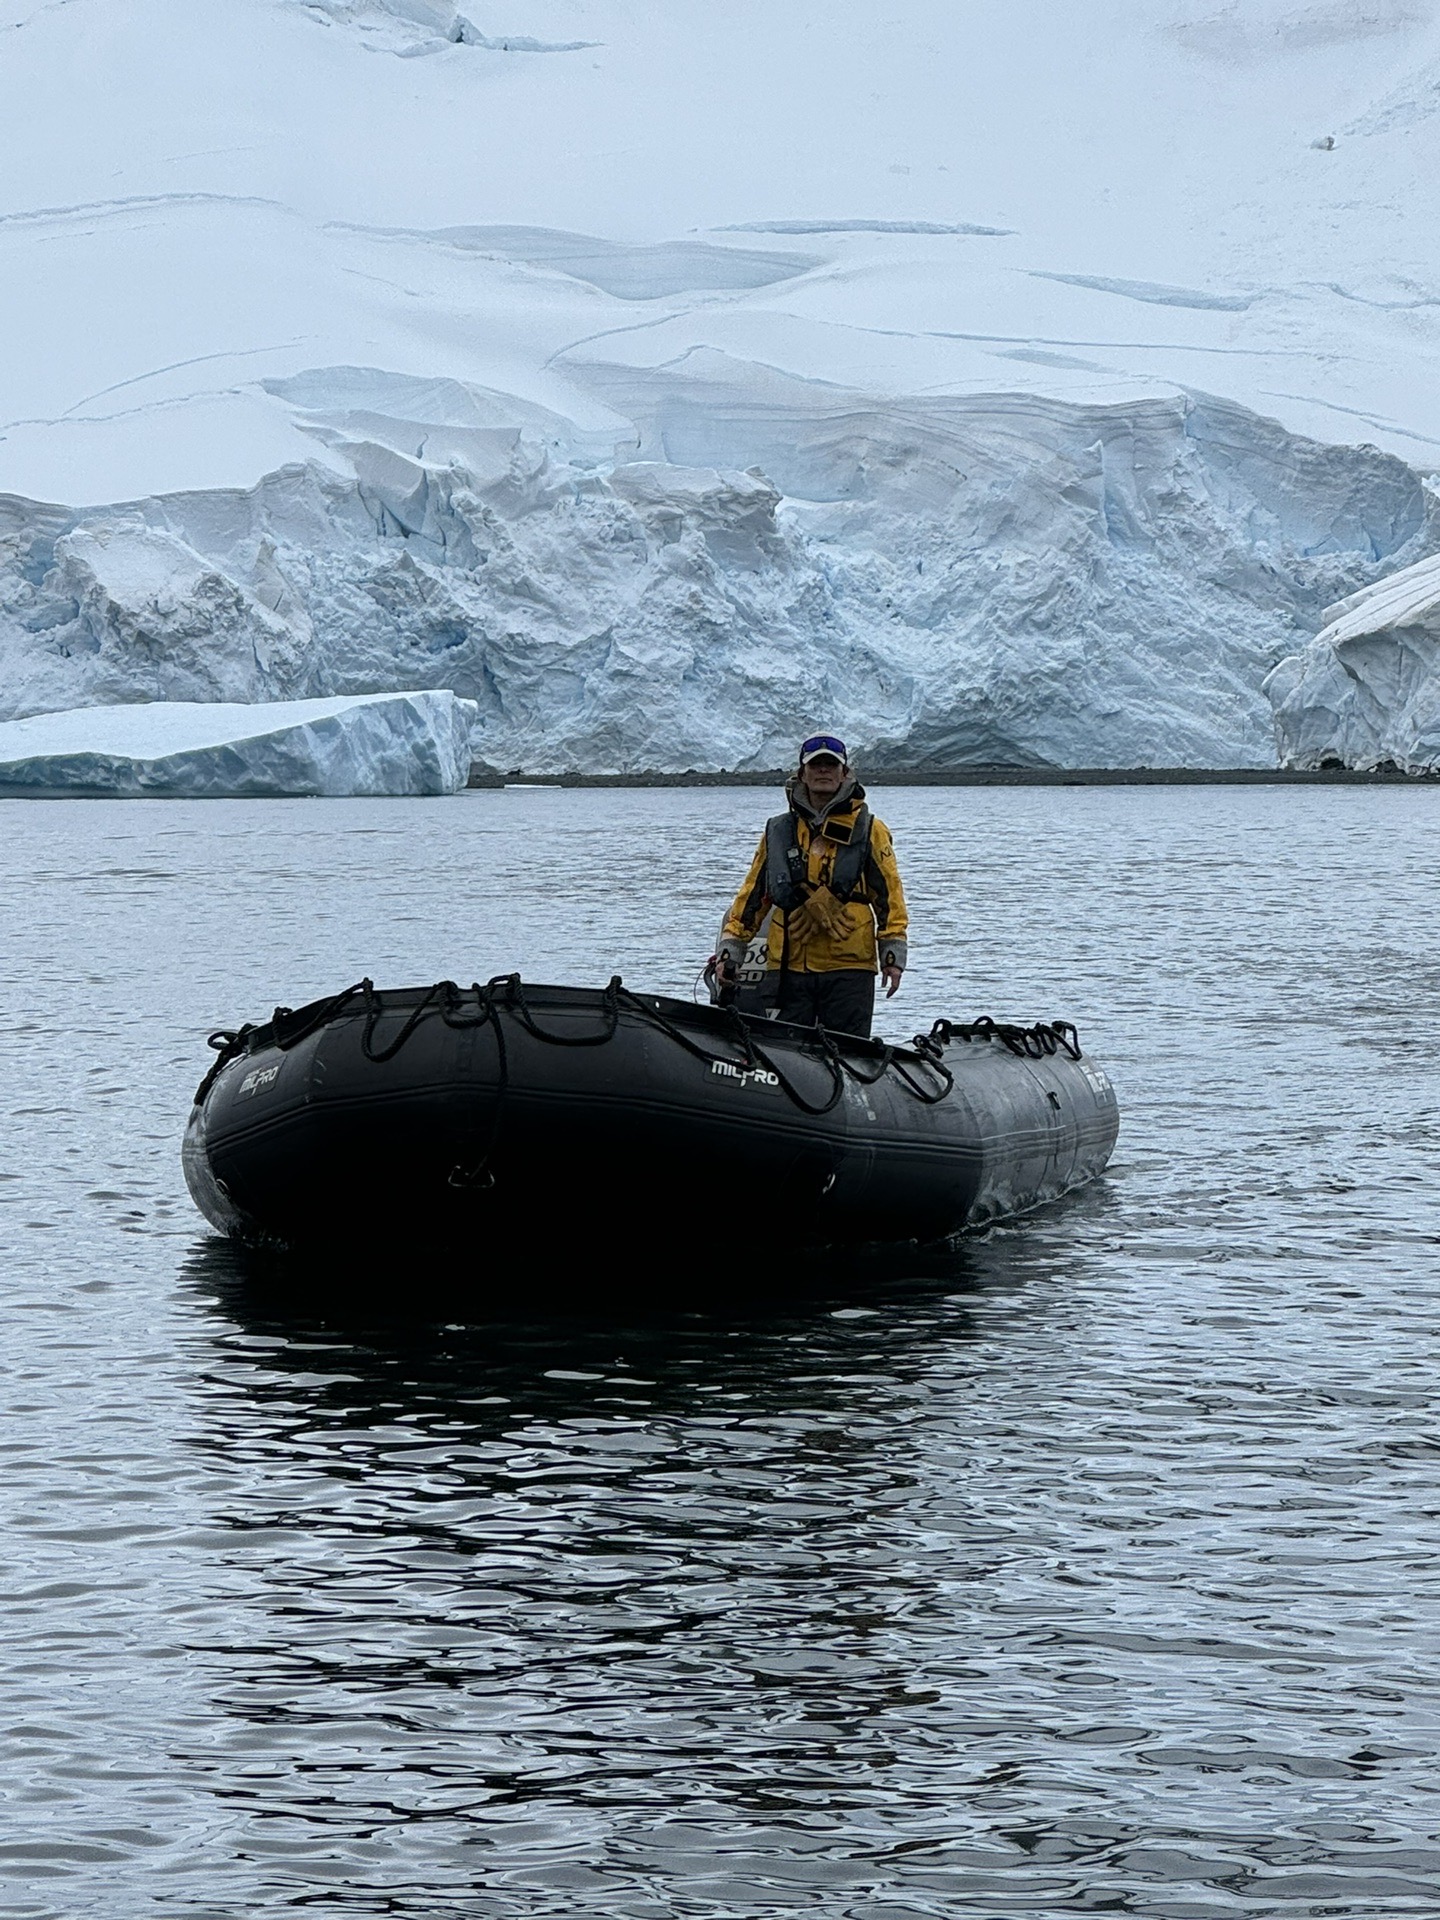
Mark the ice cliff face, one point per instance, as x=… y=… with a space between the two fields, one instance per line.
x=996 y=385
x=1366 y=691
x=1001 y=579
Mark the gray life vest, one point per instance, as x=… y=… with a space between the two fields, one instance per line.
x=787 y=876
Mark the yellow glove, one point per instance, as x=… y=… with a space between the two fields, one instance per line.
x=819 y=914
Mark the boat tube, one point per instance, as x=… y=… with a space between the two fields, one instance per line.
x=465 y=1116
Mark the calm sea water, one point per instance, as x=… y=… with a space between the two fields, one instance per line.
x=1092 y=1571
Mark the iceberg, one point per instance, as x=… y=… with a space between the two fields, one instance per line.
x=373 y=744
x=1366 y=692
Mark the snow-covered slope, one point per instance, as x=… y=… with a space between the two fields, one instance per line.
x=1000 y=382
x=414 y=743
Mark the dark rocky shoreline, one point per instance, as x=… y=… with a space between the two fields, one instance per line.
x=483 y=776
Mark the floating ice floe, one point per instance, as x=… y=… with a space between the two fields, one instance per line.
x=381 y=743
x=1366 y=691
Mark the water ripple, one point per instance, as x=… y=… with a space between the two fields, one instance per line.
x=1089 y=1570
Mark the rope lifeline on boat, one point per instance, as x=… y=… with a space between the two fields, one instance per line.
x=504 y=994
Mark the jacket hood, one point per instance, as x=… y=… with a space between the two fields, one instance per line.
x=849 y=794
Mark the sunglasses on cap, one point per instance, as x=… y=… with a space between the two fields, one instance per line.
x=822 y=743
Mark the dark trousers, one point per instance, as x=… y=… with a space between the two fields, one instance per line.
x=843 y=1002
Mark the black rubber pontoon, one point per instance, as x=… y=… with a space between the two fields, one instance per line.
x=464 y=1117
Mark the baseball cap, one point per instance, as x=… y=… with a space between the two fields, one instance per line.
x=822 y=743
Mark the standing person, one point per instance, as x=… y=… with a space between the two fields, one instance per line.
x=825 y=876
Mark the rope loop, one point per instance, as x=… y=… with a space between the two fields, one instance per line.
x=1040 y=1042
x=752 y=1054
x=375 y=1008
x=887 y=1060
x=452 y=1006
x=516 y=1002
x=1067 y=1037
x=476 y=1174
x=229 y=1044
x=504 y=994
x=319 y=1015
x=931 y=1049
x=927 y=1096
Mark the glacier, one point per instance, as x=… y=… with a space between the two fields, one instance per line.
x=1366 y=691
x=1004 y=387
x=379 y=744
x=997 y=580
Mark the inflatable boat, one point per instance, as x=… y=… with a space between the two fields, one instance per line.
x=469 y=1117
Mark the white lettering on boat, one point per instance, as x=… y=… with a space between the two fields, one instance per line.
x=1099 y=1081
x=259 y=1078
x=744 y=1074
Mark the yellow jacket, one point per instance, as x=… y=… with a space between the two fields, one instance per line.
x=864 y=933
